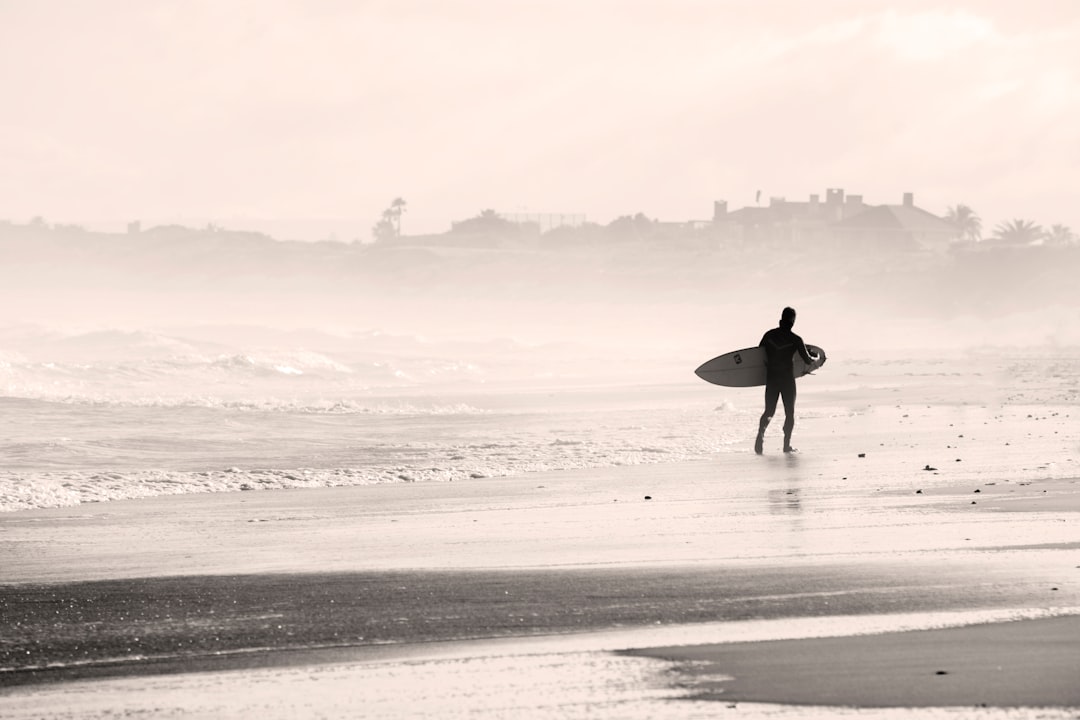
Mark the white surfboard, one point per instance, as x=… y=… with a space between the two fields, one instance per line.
x=746 y=368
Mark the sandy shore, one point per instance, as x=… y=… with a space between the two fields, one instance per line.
x=220 y=604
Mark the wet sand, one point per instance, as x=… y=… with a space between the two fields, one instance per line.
x=902 y=510
x=66 y=631
x=1026 y=664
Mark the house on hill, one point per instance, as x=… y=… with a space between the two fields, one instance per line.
x=783 y=221
x=897 y=227
x=841 y=220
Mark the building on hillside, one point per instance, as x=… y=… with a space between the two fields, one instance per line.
x=841 y=219
x=898 y=227
x=487 y=230
x=783 y=221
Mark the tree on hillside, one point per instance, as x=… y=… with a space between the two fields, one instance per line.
x=636 y=227
x=397 y=208
x=486 y=223
x=1059 y=235
x=384 y=229
x=389 y=225
x=1018 y=232
x=967 y=223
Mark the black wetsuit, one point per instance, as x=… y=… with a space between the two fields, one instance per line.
x=780 y=345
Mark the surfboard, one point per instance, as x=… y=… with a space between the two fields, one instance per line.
x=746 y=368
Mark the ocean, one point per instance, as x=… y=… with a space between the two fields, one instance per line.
x=111 y=415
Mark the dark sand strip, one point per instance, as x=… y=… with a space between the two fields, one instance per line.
x=62 y=631
x=1030 y=663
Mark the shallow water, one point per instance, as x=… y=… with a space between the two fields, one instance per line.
x=60 y=453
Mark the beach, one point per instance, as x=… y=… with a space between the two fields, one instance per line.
x=398 y=360
x=920 y=557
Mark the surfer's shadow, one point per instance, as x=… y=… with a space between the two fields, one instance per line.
x=786 y=498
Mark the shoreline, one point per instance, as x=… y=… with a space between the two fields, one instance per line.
x=671 y=514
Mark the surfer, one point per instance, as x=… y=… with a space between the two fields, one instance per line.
x=780 y=345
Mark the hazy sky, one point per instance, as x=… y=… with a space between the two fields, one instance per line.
x=321 y=109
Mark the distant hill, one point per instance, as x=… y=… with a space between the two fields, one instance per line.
x=177 y=275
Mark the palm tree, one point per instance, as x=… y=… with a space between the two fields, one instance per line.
x=1060 y=235
x=397 y=207
x=966 y=222
x=1018 y=232
x=384 y=229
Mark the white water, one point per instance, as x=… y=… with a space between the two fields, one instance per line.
x=111 y=415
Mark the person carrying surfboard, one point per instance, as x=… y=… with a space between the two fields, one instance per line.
x=780 y=345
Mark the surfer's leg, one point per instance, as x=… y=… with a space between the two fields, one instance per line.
x=772 y=394
x=788 y=392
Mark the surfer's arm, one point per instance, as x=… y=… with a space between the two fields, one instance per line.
x=805 y=353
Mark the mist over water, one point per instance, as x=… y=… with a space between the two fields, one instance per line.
x=193 y=295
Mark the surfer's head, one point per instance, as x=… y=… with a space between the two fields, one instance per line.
x=787 y=317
